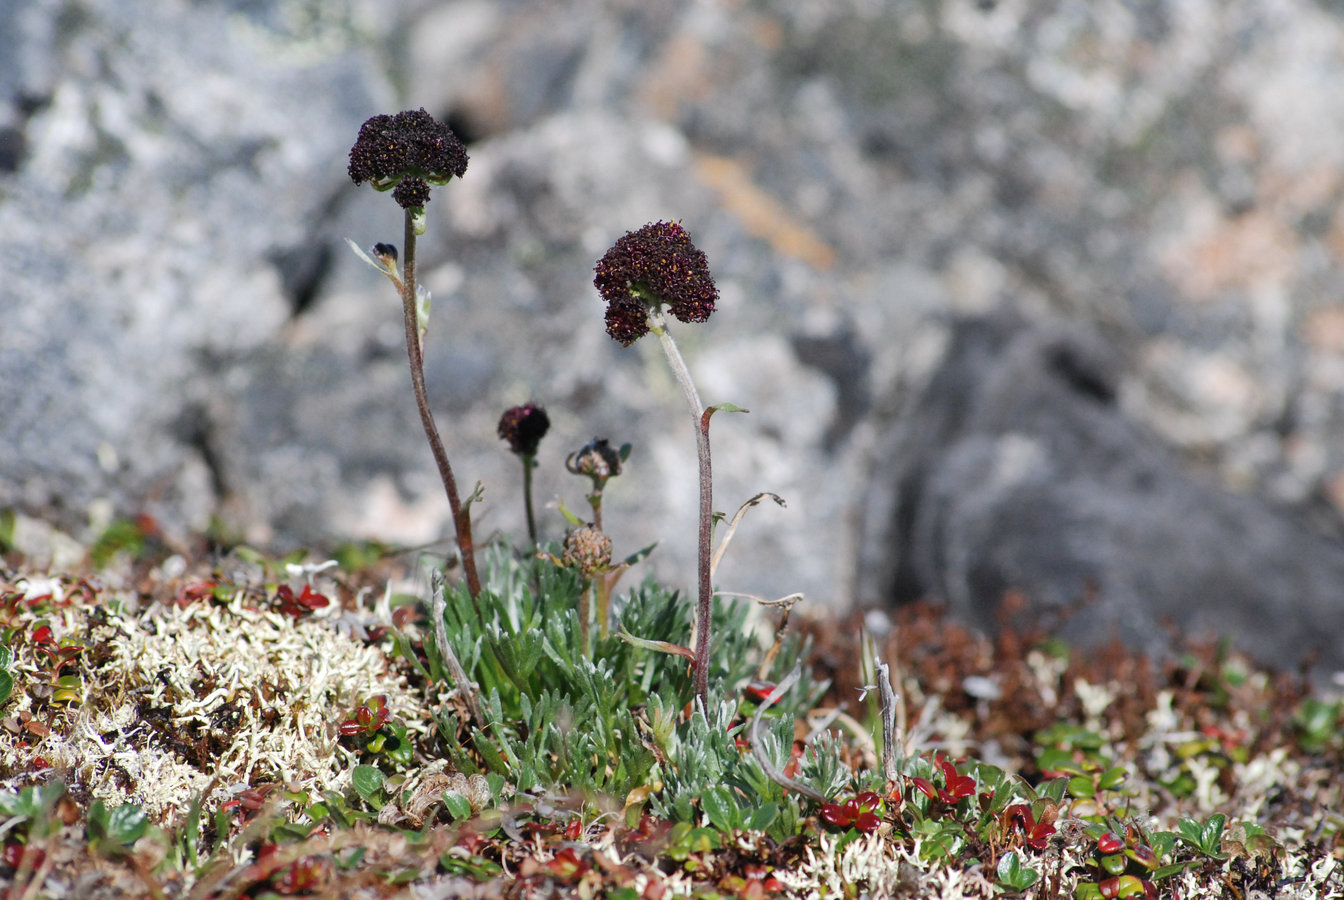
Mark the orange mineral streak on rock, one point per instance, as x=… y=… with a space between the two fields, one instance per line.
x=760 y=213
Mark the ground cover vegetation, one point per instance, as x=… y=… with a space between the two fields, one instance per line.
x=530 y=718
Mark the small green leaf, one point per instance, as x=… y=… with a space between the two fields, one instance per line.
x=763 y=818
x=1053 y=759
x=1082 y=787
x=6 y=685
x=352 y=859
x=120 y=827
x=726 y=407
x=721 y=809
x=368 y=783
x=127 y=824
x=398 y=746
x=1115 y=863
x=1112 y=778
x=1013 y=874
x=1211 y=835
x=458 y=806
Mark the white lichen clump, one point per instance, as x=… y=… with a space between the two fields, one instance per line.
x=211 y=692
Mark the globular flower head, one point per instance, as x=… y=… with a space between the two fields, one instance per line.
x=411 y=193
x=408 y=151
x=656 y=265
x=524 y=427
x=597 y=459
x=588 y=550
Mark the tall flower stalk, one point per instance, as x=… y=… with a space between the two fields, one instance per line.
x=645 y=274
x=704 y=609
x=405 y=154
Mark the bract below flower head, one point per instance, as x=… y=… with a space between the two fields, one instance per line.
x=409 y=145
x=656 y=265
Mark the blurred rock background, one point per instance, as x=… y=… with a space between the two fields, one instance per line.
x=184 y=334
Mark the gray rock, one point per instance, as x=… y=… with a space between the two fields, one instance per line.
x=183 y=332
x=1018 y=473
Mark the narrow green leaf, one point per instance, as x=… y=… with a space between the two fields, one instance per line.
x=639 y=555
x=661 y=646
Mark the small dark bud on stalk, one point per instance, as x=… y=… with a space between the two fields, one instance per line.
x=524 y=427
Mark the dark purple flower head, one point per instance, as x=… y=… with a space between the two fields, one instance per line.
x=404 y=149
x=411 y=193
x=657 y=264
x=524 y=427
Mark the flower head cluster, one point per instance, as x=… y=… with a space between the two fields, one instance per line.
x=409 y=152
x=655 y=265
x=524 y=427
x=588 y=550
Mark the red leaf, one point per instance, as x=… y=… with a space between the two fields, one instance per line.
x=835 y=815
x=761 y=691
x=866 y=821
x=1144 y=856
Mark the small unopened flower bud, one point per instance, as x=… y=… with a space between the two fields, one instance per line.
x=588 y=550
x=597 y=459
x=524 y=427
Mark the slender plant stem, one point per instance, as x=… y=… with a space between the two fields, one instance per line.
x=890 y=765
x=704 y=607
x=595 y=501
x=461 y=517
x=586 y=614
x=466 y=689
x=528 y=464
x=602 y=594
